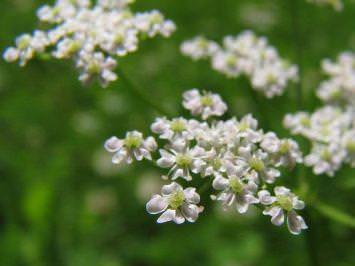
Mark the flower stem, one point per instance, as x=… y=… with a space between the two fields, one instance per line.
x=334 y=214
x=140 y=94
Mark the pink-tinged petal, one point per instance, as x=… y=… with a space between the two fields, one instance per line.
x=167 y=160
x=119 y=156
x=156 y=204
x=191 y=195
x=295 y=223
x=220 y=183
x=190 y=212
x=171 y=188
x=113 y=144
x=167 y=216
x=179 y=218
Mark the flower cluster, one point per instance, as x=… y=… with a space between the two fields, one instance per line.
x=339 y=88
x=331 y=128
x=233 y=157
x=245 y=54
x=336 y=4
x=93 y=35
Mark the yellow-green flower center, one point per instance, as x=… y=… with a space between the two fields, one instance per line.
x=243 y=126
x=94 y=68
x=119 y=38
x=285 y=202
x=206 y=101
x=256 y=164
x=133 y=141
x=157 y=18
x=176 y=199
x=305 y=121
x=231 y=61
x=183 y=160
x=326 y=155
x=236 y=185
x=284 y=147
x=177 y=126
x=216 y=164
x=24 y=42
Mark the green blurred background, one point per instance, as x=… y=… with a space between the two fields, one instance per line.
x=63 y=203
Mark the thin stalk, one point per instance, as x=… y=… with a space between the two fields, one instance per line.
x=334 y=214
x=140 y=94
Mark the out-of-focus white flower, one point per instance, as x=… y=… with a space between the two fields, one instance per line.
x=246 y=54
x=326 y=159
x=329 y=129
x=96 y=66
x=336 y=4
x=199 y=48
x=132 y=146
x=284 y=203
x=206 y=105
x=88 y=33
x=340 y=87
x=176 y=204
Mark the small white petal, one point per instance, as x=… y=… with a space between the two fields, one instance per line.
x=167 y=216
x=156 y=204
x=171 y=188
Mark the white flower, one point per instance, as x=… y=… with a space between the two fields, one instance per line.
x=340 y=87
x=284 y=202
x=199 y=48
x=96 y=65
x=246 y=54
x=206 y=105
x=329 y=130
x=283 y=152
x=257 y=163
x=133 y=146
x=240 y=157
x=88 y=33
x=181 y=160
x=325 y=159
x=176 y=204
x=236 y=188
x=177 y=128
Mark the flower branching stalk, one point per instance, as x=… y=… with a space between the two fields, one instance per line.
x=242 y=161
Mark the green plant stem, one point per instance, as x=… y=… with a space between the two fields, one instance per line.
x=140 y=94
x=334 y=214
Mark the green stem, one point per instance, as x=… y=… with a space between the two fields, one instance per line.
x=334 y=214
x=140 y=94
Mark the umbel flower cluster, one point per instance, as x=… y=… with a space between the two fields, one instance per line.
x=245 y=54
x=92 y=35
x=331 y=128
x=234 y=158
x=336 y=4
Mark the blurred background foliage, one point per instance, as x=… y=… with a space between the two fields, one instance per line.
x=63 y=203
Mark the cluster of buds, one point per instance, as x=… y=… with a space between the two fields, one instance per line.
x=336 y=4
x=331 y=128
x=245 y=54
x=93 y=35
x=234 y=158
